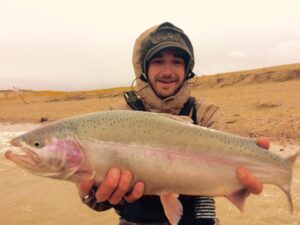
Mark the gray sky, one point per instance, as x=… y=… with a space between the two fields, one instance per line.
x=81 y=45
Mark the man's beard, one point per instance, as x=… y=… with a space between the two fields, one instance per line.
x=166 y=79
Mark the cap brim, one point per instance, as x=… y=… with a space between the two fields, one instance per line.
x=165 y=45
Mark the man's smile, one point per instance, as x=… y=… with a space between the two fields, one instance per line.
x=166 y=83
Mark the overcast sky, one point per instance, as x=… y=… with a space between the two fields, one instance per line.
x=80 y=45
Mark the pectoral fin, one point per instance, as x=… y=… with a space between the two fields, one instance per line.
x=172 y=207
x=86 y=170
x=238 y=198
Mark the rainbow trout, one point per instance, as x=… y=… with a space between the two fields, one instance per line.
x=171 y=156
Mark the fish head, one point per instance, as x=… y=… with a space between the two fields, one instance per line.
x=47 y=152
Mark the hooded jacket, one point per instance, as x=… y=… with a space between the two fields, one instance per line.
x=148 y=43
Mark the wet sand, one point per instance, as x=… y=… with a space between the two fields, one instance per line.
x=27 y=199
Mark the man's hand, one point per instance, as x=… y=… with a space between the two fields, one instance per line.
x=114 y=187
x=244 y=175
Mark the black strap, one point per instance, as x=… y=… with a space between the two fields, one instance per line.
x=187 y=107
x=133 y=101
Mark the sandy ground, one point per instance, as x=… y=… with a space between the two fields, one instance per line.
x=269 y=109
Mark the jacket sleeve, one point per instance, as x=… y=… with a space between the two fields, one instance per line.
x=121 y=105
x=209 y=115
x=91 y=201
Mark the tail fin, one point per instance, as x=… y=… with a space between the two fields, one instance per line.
x=287 y=188
x=293 y=158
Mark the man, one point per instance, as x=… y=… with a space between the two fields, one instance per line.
x=163 y=61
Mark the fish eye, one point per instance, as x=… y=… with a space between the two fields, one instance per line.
x=37 y=144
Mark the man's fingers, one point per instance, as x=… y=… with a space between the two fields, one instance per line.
x=115 y=186
x=84 y=187
x=136 y=193
x=263 y=142
x=246 y=178
x=109 y=184
x=124 y=184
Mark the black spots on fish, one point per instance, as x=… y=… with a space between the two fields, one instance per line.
x=178 y=132
x=210 y=135
x=276 y=161
x=112 y=121
x=117 y=120
x=102 y=119
x=197 y=133
x=281 y=149
x=239 y=146
x=144 y=131
x=89 y=121
x=223 y=139
x=59 y=129
x=122 y=126
x=242 y=148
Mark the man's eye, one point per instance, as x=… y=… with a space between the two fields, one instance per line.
x=157 y=61
x=179 y=61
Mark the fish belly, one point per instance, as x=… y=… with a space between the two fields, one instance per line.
x=165 y=170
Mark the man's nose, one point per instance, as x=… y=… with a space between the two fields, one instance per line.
x=167 y=69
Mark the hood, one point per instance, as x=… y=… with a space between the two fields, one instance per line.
x=148 y=44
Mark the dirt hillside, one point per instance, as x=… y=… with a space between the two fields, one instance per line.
x=248 y=77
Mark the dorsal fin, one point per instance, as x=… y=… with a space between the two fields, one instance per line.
x=293 y=158
x=182 y=119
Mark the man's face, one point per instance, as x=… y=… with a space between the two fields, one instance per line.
x=166 y=73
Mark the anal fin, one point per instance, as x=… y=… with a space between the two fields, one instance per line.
x=172 y=207
x=238 y=198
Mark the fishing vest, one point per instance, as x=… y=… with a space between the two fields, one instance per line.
x=197 y=210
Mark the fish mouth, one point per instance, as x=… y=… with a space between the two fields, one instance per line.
x=27 y=159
